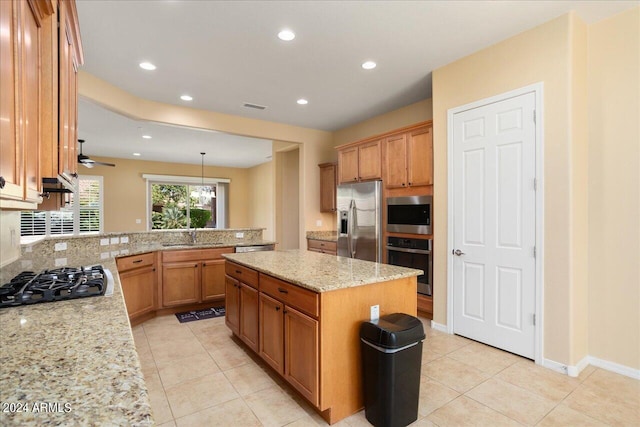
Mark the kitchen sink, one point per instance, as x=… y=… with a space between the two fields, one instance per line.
x=168 y=245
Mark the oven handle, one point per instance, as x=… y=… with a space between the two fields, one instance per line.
x=411 y=251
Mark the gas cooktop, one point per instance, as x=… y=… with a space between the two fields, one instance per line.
x=58 y=284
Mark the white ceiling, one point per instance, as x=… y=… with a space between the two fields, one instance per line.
x=226 y=53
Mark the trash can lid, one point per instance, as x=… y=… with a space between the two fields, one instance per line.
x=393 y=330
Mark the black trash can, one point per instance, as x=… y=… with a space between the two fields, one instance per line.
x=391 y=359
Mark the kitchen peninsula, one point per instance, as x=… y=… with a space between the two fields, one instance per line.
x=301 y=312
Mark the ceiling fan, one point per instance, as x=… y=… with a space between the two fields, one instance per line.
x=86 y=161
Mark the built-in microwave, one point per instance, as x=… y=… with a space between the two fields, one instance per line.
x=409 y=214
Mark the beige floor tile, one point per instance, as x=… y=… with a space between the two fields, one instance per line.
x=586 y=372
x=309 y=421
x=433 y=395
x=231 y=413
x=484 y=358
x=176 y=349
x=206 y=323
x=539 y=380
x=159 y=403
x=249 y=378
x=176 y=371
x=215 y=341
x=512 y=401
x=153 y=382
x=199 y=393
x=273 y=407
x=163 y=333
x=424 y=422
x=607 y=397
x=467 y=412
x=429 y=355
x=456 y=375
x=230 y=357
x=169 y=424
x=445 y=343
x=562 y=415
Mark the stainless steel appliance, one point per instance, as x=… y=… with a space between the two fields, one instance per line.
x=413 y=253
x=359 y=209
x=411 y=214
x=255 y=248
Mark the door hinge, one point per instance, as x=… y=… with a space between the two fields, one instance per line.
x=535 y=252
x=534 y=319
x=534 y=116
x=535 y=184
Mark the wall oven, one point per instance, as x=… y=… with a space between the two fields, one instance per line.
x=411 y=214
x=413 y=253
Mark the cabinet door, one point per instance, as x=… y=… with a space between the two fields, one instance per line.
x=232 y=304
x=328 y=188
x=396 y=161
x=348 y=165
x=138 y=287
x=420 y=155
x=370 y=161
x=272 y=332
x=180 y=283
x=301 y=353
x=68 y=94
x=213 y=280
x=249 y=315
x=10 y=168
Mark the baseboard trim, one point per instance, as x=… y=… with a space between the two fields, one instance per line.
x=439 y=327
x=574 y=370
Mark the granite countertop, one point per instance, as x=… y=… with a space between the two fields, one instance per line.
x=320 y=272
x=327 y=236
x=75 y=359
x=78 y=356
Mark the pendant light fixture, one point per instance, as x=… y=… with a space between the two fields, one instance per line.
x=204 y=194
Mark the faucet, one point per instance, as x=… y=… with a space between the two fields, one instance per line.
x=192 y=233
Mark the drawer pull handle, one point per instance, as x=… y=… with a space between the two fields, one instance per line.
x=283 y=291
x=238 y=272
x=137 y=261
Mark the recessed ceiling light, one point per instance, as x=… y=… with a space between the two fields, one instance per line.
x=302 y=101
x=186 y=98
x=146 y=136
x=286 y=35
x=147 y=66
x=136 y=154
x=369 y=65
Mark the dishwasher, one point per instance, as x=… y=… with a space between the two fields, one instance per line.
x=256 y=248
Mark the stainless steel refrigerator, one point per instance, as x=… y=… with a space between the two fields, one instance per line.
x=359 y=208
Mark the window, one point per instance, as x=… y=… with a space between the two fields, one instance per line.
x=177 y=202
x=82 y=215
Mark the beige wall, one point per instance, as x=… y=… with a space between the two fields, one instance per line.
x=125 y=190
x=614 y=189
x=411 y=114
x=288 y=200
x=538 y=55
x=261 y=197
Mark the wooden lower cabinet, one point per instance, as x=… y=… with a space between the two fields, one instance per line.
x=138 y=279
x=272 y=332
x=212 y=280
x=301 y=353
x=322 y=246
x=249 y=316
x=232 y=304
x=180 y=283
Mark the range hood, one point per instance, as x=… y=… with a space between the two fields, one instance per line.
x=63 y=183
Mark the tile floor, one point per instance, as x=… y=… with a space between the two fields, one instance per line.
x=198 y=374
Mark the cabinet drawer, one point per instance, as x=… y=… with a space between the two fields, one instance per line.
x=322 y=244
x=243 y=274
x=135 y=261
x=295 y=296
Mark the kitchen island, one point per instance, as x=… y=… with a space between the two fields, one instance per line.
x=301 y=312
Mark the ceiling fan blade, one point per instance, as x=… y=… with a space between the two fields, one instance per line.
x=103 y=163
x=88 y=164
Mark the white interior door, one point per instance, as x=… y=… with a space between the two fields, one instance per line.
x=494 y=224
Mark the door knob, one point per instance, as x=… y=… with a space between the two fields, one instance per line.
x=457 y=252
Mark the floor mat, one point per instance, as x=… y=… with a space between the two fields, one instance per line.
x=207 y=313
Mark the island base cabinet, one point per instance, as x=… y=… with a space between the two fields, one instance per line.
x=232 y=304
x=272 y=332
x=301 y=353
x=249 y=316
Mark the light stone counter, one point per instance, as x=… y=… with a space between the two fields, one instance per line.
x=320 y=272
x=328 y=236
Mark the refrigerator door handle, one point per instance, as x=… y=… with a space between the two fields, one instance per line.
x=349 y=227
x=352 y=226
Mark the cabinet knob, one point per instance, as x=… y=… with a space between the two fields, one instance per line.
x=355 y=179
x=403 y=184
x=204 y=264
x=2 y=182
x=277 y=308
x=195 y=265
x=409 y=184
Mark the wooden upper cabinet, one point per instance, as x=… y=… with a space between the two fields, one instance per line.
x=420 y=157
x=361 y=162
x=409 y=159
x=328 y=184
